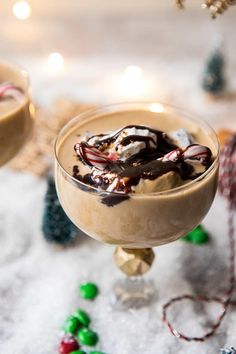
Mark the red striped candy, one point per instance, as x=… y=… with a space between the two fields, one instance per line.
x=92 y=156
x=194 y=151
x=10 y=90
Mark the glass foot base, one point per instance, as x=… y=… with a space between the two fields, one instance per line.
x=133 y=292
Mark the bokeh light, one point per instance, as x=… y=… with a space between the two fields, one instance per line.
x=55 y=62
x=156 y=107
x=21 y=10
x=133 y=73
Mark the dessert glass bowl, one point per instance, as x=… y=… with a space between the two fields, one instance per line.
x=140 y=221
x=16 y=124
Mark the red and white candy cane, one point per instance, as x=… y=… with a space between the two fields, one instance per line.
x=194 y=151
x=92 y=156
x=11 y=91
x=227 y=187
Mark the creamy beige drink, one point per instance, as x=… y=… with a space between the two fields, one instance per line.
x=15 y=115
x=132 y=177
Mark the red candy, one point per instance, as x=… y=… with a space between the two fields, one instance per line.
x=113 y=156
x=68 y=345
x=194 y=151
x=92 y=156
x=10 y=90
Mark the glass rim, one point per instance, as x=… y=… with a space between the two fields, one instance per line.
x=17 y=69
x=145 y=105
x=22 y=73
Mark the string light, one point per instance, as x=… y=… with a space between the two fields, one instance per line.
x=132 y=81
x=156 y=107
x=133 y=73
x=21 y=10
x=132 y=84
x=55 y=62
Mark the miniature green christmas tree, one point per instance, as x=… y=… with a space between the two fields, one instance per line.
x=213 y=78
x=56 y=226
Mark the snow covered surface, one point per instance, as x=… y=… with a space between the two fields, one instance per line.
x=39 y=283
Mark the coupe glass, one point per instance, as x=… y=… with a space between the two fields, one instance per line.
x=15 y=124
x=137 y=222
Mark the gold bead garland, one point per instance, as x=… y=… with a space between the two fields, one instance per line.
x=180 y=4
x=216 y=7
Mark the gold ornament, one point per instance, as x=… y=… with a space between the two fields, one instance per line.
x=207 y=4
x=134 y=262
x=216 y=7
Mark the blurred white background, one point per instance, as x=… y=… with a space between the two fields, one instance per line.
x=99 y=39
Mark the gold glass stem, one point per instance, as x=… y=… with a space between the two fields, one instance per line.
x=134 y=262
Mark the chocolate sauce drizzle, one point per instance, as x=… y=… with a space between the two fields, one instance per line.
x=164 y=146
x=142 y=165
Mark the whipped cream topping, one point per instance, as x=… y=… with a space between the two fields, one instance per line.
x=180 y=137
x=120 y=161
x=125 y=142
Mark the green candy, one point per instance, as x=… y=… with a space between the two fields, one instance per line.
x=83 y=317
x=87 y=337
x=88 y=291
x=186 y=238
x=197 y=236
x=71 y=325
x=78 y=352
